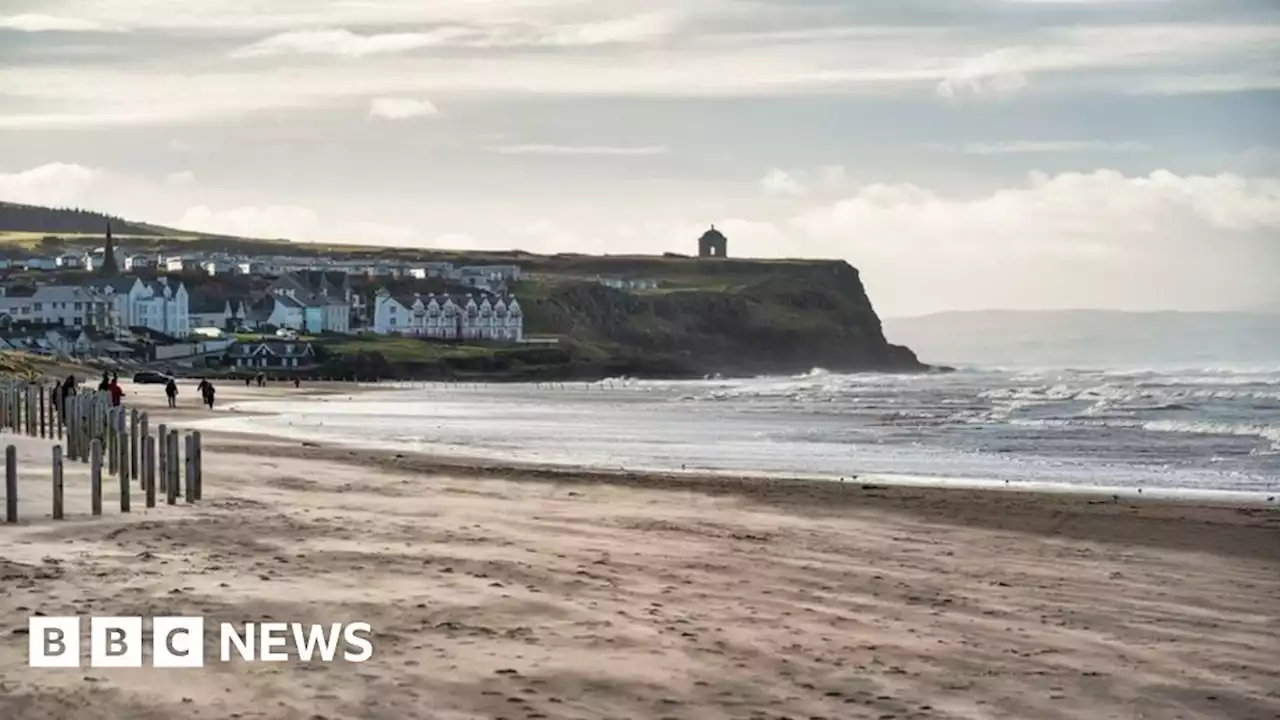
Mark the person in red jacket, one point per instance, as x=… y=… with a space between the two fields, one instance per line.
x=116 y=392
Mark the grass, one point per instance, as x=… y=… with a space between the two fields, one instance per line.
x=29 y=366
x=402 y=349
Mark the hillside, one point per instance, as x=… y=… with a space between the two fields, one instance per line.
x=1093 y=338
x=16 y=218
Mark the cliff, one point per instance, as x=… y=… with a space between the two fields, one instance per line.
x=727 y=317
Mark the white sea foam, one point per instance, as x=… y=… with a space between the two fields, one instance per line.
x=1075 y=427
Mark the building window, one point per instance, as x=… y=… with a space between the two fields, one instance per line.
x=78 y=306
x=37 y=306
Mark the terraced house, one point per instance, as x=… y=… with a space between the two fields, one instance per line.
x=492 y=317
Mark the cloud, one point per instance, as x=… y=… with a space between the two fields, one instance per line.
x=391 y=108
x=1095 y=239
x=51 y=184
x=343 y=42
x=990 y=76
x=779 y=182
x=50 y=23
x=336 y=42
x=541 y=149
x=274 y=221
x=573 y=49
x=182 y=178
x=1053 y=146
x=291 y=222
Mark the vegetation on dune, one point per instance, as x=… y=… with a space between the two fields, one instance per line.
x=29 y=366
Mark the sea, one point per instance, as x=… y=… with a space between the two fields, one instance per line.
x=1163 y=431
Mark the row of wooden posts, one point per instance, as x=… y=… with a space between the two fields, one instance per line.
x=91 y=428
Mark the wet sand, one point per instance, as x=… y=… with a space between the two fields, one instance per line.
x=521 y=593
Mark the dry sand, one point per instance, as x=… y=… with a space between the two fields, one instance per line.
x=508 y=593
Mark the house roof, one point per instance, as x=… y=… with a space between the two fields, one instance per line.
x=289 y=302
x=278 y=348
x=60 y=293
x=117 y=284
x=203 y=303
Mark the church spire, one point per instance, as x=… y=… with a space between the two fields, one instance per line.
x=109 y=267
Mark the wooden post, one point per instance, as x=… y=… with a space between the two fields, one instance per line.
x=113 y=441
x=11 y=484
x=58 y=420
x=162 y=454
x=149 y=469
x=95 y=475
x=124 y=484
x=122 y=465
x=57 y=482
x=190 y=467
x=133 y=443
x=198 y=446
x=44 y=427
x=171 y=468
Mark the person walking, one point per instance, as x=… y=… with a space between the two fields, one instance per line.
x=68 y=389
x=171 y=392
x=116 y=392
x=208 y=394
x=106 y=381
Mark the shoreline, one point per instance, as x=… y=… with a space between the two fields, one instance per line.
x=1160 y=520
x=213 y=422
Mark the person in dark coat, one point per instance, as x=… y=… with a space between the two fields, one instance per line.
x=171 y=392
x=68 y=389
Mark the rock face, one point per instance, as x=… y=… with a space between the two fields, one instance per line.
x=742 y=319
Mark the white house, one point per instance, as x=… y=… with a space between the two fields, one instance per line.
x=324 y=304
x=159 y=305
x=626 y=284
x=134 y=263
x=287 y=312
x=67 y=305
x=42 y=263
x=432 y=270
x=70 y=261
x=446 y=317
x=181 y=264
x=218 y=267
x=212 y=313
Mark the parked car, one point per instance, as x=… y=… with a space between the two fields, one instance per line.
x=287 y=334
x=148 y=377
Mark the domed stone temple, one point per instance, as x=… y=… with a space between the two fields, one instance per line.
x=713 y=244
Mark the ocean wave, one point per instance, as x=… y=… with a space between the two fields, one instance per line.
x=1269 y=433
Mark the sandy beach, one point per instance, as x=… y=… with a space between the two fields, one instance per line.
x=507 y=592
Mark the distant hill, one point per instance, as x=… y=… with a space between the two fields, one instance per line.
x=1091 y=338
x=15 y=217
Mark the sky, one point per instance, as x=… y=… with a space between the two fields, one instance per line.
x=962 y=154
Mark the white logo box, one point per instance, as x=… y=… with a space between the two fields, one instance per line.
x=176 y=642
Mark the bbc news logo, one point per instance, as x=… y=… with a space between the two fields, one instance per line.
x=179 y=642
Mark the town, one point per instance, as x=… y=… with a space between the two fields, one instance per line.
x=216 y=309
